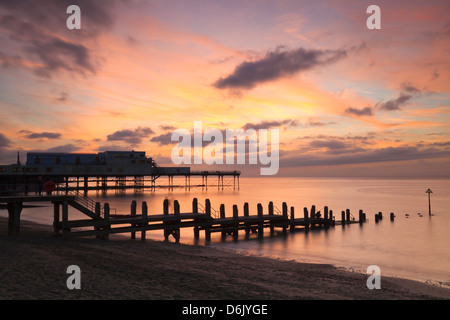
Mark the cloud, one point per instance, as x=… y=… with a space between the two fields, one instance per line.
x=129 y=136
x=56 y=55
x=394 y=104
x=4 y=141
x=367 y=111
x=277 y=64
x=41 y=135
x=163 y=139
x=50 y=45
x=270 y=124
x=388 y=154
x=64 y=148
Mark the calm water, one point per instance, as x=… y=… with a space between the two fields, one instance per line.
x=416 y=247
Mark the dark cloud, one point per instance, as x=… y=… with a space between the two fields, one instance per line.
x=270 y=124
x=408 y=87
x=163 y=139
x=395 y=104
x=56 y=55
x=41 y=135
x=4 y=141
x=277 y=64
x=64 y=148
x=365 y=156
x=367 y=111
x=314 y=123
x=39 y=30
x=133 y=137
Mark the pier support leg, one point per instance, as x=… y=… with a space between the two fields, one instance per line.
x=14 y=210
x=56 y=218
x=133 y=214
x=144 y=220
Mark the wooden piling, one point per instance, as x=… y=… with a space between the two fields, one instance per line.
x=222 y=216
x=144 y=220
x=343 y=218
x=271 y=214
x=305 y=217
x=292 y=227
x=247 y=227
x=285 y=216
x=260 y=221
x=166 y=213
x=106 y=218
x=347 y=213
x=392 y=216
x=235 y=221
x=176 y=228
x=133 y=214
x=195 y=210
x=208 y=214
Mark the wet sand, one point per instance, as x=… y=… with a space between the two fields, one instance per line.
x=33 y=266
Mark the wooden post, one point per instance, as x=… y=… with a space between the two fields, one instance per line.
x=347 y=212
x=133 y=214
x=260 y=221
x=176 y=230
x=271 y=214
x=208 y=214
x=305 y=217
x=361 y=217
x=166 y=213
x=107 y=220
x=195 y=210
x=14 y=210
x=380 y=215
x=325 y=212
x=235 y=222
x=55 y=218
x=292 y=219
x=247 y=227
x=285 y=217
x=343 y=218
x=144 y=220
x=313 y=211
x=392 y=216
x=222 y=216
x=331 y=218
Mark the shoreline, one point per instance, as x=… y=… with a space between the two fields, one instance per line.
x=34 y=267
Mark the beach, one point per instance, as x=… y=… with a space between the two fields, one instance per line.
x=34 y=266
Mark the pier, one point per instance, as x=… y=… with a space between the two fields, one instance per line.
x=101 y=220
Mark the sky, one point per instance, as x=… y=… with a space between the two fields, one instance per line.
x=348 y=101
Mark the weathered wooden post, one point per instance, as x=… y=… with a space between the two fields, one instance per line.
x=305 y=217
x=208 y=214
x=380 y=215
x=235 y=221
x=14 y=211
x=195 y=211
x=347 y=213
x=361 y=216
x=325 y=212
x=144 y=220
x=285 y=217
x=271 y=214
x=392 y=216
x=107 y=226
x=343 y=218
x=292 y=228
x=176 y=225
x=222 y=216
x=247 y=227
x=260 y=221
x=166 y=214
x=133 y=214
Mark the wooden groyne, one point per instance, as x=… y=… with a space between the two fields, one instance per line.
x=101 y=220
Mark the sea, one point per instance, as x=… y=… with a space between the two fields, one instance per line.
x=415 y=245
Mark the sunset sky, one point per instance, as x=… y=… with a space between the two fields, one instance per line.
x=348 y=101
